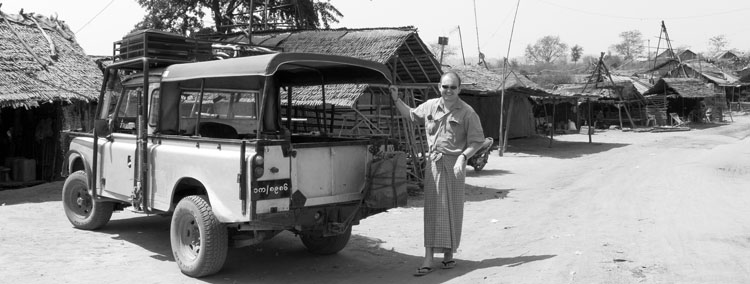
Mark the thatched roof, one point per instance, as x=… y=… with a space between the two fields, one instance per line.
x=476 y=80
x=40 y=73
x=398 y=48
x=725 y=55
x=684 y=87
x=708 y=71
x=342 y=95
x=711 y=72
x=605 y=90
x=684 y=54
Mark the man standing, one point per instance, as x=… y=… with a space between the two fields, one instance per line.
x=454 y=134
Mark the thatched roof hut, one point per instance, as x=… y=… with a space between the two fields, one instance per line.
x=683 y=87
x=46 y=84
x=630 y=89
x=482 y=89
x=696 y=69
x=40 y=61
x=400 y=49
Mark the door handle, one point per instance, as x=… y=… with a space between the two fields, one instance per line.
x=130 y=161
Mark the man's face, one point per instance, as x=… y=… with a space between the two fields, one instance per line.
x=449 y=88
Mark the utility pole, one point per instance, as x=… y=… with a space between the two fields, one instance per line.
x=461 y=39
x=502 y=145
x=442 y=41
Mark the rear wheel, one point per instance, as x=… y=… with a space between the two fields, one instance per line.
x=80 y=207
x=326 y=245
x=199 y=241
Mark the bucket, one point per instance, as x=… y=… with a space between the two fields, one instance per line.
x=24 y=169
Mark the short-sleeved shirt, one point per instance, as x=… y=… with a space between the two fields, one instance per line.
x=460 y=126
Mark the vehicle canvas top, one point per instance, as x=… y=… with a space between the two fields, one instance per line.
x=292 y=68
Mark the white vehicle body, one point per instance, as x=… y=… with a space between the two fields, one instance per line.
x=213 y=134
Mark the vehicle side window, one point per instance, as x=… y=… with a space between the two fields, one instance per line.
x=153 y=108
x=225 y=109
x=110 y=104
x=127 y=111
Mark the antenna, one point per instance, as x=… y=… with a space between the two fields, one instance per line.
x=476 y=26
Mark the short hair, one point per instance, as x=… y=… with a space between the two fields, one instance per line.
x=455 y=75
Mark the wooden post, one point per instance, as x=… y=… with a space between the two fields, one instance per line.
x=588 y=102
x=501 y=141
x=619 y=114
x=507 y=123
x=552 y=131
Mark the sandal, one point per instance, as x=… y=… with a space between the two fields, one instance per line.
x=449 y=264
x=422 y=271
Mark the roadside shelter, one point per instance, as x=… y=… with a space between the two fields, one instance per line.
x=482 y=90
x=726 y=87
x=687 y=97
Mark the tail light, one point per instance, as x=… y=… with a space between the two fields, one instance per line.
x=258 y=166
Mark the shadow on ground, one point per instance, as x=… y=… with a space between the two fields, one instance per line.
x=148 y=232
x=284 y=259
x=473 y=194
x=36 y=194
x=540 y=146
x=485 y=172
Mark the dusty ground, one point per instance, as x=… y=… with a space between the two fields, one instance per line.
x=628 y=208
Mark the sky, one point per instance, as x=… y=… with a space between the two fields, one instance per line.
x=594 y=25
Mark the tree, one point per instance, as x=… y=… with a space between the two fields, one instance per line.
x=327 y=13
x=631 y=45
x=187 y=16
x=718 y=43
x=575 y=53
x=546 y=49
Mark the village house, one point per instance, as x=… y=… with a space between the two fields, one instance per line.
x=47 y=84
x=687 y=98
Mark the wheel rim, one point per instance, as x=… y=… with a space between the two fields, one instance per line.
x=189 y=235
x=80 y=202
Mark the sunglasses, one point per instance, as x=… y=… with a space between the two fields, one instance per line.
x=449 y=87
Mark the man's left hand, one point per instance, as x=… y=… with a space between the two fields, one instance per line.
x=459 y=169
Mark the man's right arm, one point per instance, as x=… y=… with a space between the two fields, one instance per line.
x=404 y=109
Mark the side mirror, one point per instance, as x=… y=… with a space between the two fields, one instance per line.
x=101 y=126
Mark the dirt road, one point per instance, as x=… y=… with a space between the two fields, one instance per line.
x=628 y=208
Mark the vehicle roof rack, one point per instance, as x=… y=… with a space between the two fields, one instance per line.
x=163 y=49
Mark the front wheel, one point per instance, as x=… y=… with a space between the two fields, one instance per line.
x=80 y=207
x=199 y=241
x=326 y=245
